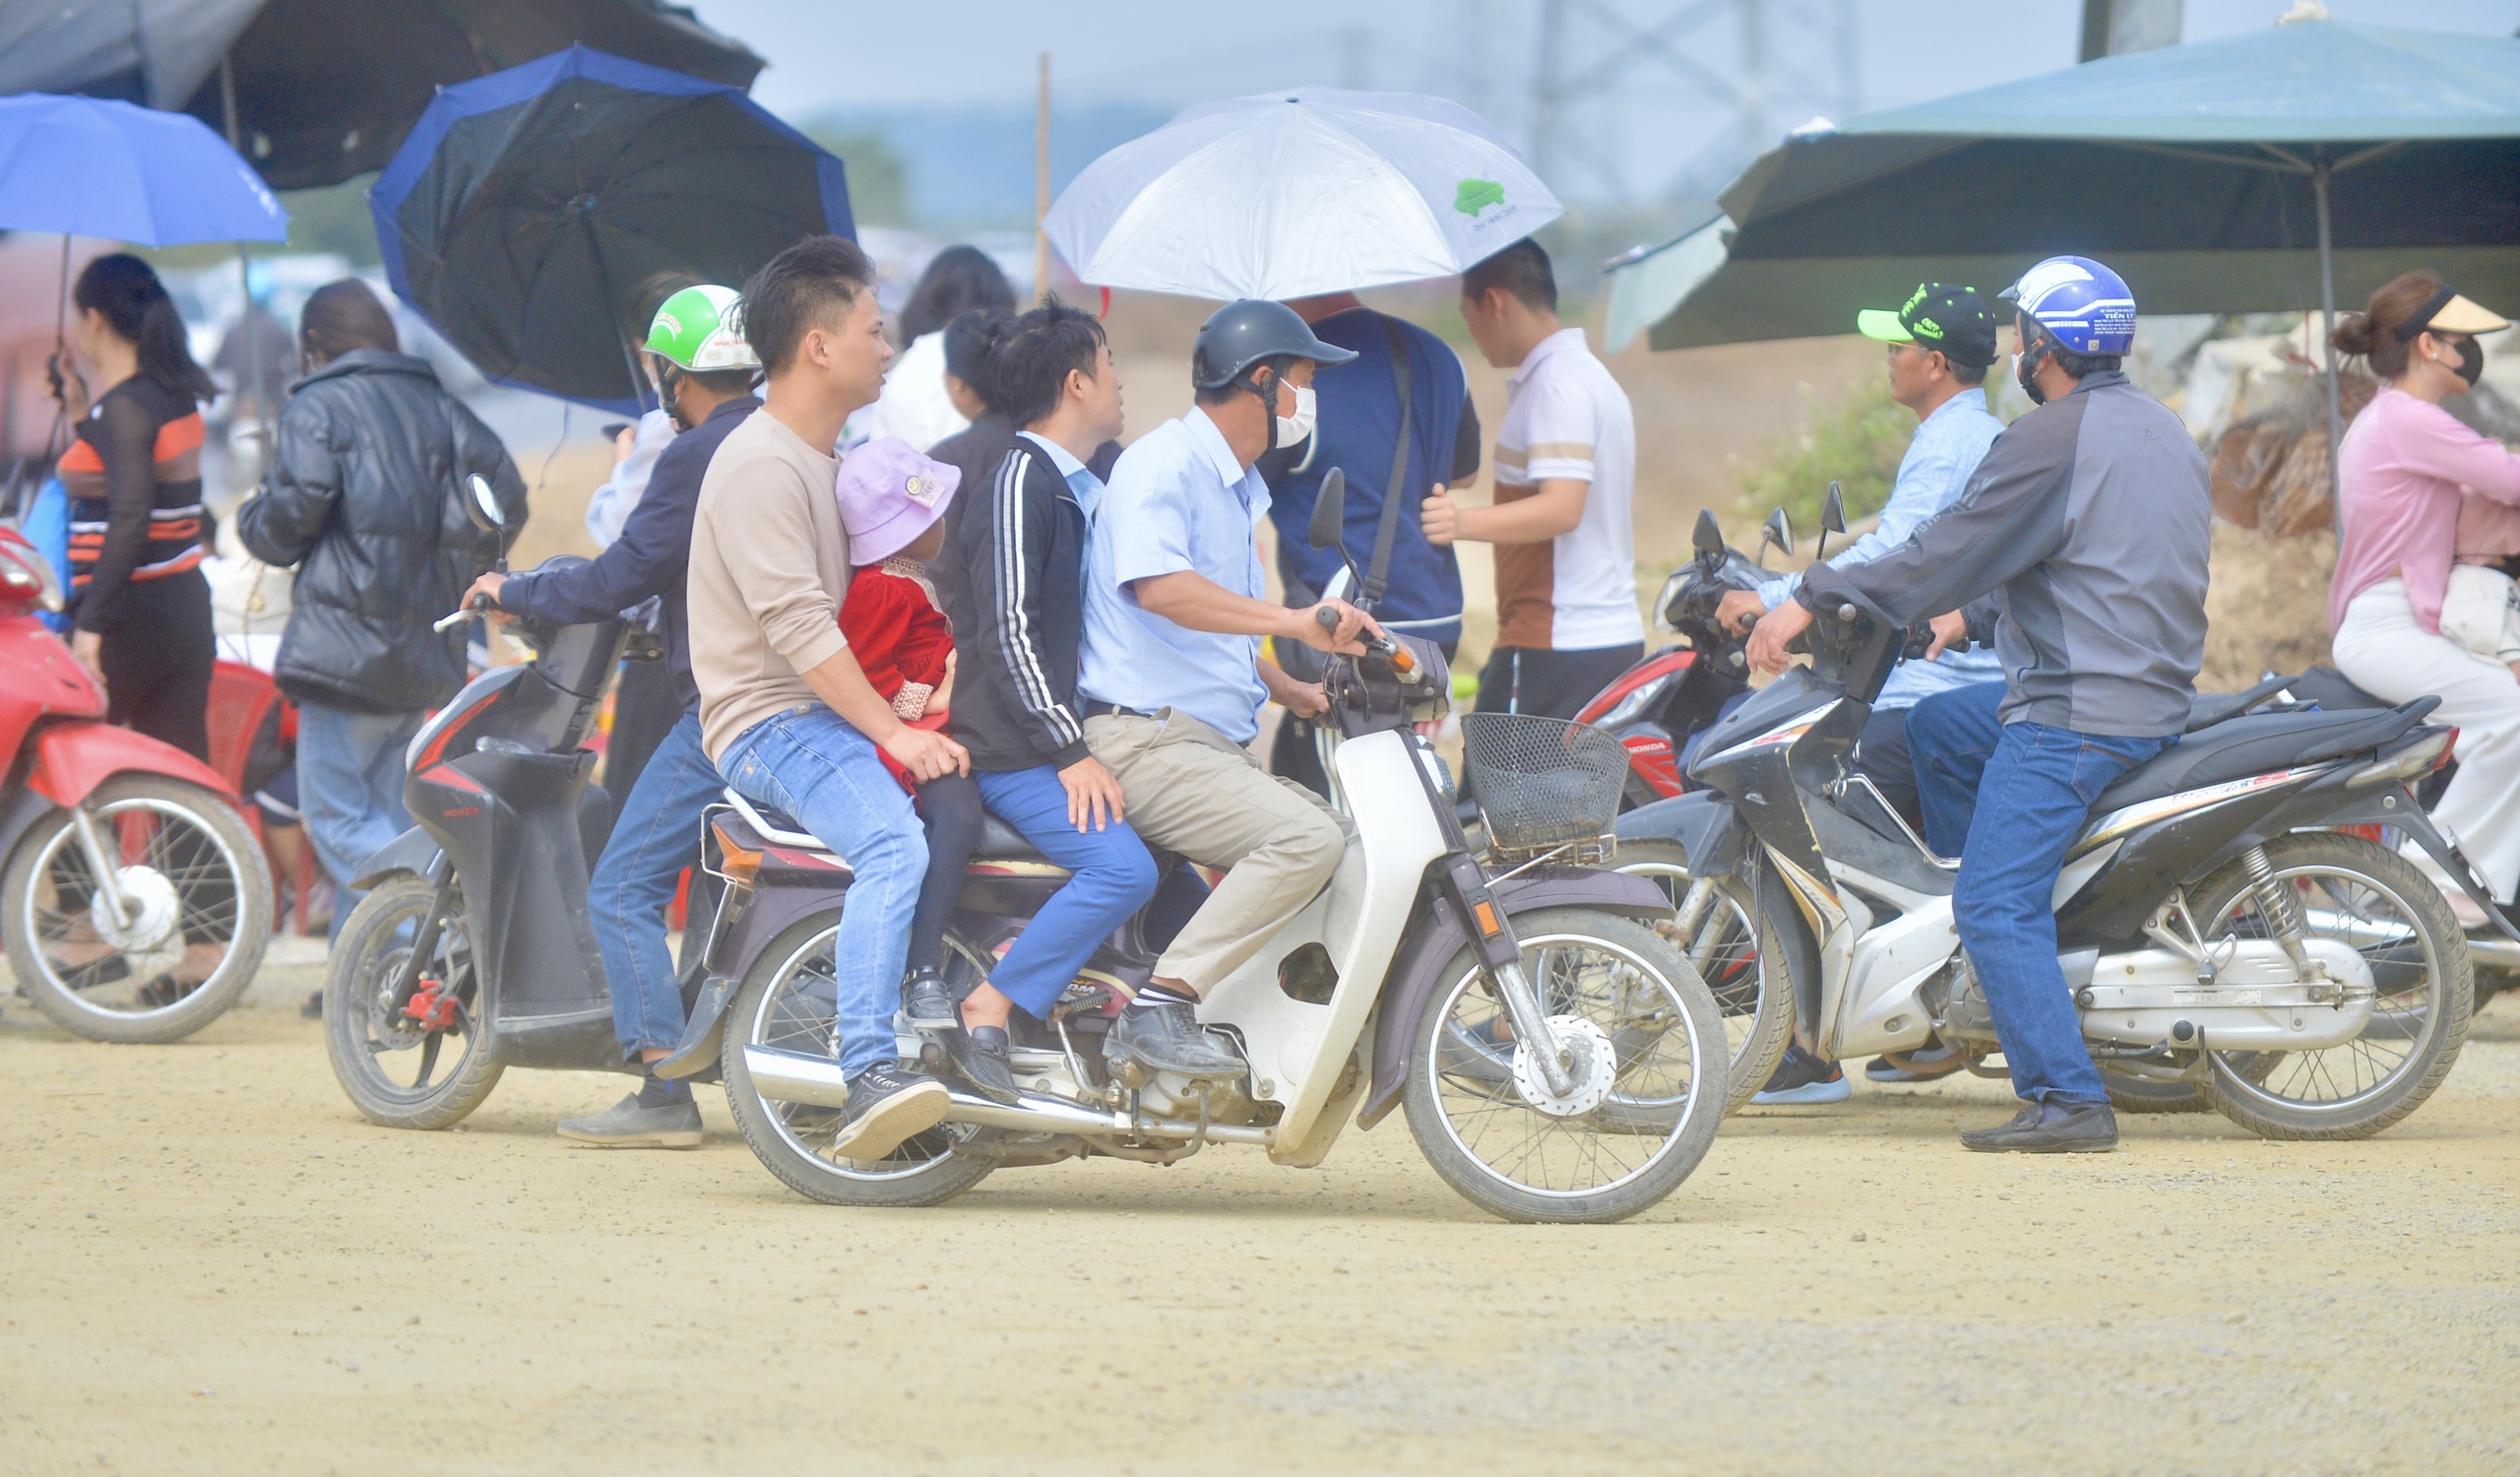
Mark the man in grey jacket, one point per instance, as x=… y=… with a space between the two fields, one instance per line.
x=2087 y=523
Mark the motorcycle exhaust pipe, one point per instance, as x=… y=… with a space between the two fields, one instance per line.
x=796 y=1077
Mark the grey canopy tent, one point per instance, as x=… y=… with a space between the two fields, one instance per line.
x=2264 y=172
x=325 y=89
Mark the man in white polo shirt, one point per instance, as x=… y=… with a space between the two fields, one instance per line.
x=1565 y=486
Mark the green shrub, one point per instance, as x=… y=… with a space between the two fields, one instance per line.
x=1855 y=440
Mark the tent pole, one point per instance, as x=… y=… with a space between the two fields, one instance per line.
x=2319 y=176
x=245 y=284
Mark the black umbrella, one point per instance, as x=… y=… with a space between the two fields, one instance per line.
x=325 y=89
x=528 y=206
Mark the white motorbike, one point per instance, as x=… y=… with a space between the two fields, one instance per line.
x=1556 y=1058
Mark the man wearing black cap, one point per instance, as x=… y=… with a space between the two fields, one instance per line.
x=1940 y=343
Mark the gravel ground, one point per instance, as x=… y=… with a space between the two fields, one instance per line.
x=218 y=1266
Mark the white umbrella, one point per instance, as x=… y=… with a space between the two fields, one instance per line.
x=1294 y=194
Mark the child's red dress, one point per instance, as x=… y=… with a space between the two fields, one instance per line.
x=900 y=640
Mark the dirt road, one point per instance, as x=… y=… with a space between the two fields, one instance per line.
x=216 y=1267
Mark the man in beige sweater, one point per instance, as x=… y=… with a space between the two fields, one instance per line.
x=784 y=709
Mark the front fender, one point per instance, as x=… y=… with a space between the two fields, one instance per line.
x=415 y=853
x=1706 y=825
x=73 y=758
x=1416 y=969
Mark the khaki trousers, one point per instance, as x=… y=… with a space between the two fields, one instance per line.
x=1191 y=790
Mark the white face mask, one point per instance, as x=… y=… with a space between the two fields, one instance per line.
x=1299 y=428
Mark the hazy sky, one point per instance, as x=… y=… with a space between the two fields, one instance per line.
x=841 y=53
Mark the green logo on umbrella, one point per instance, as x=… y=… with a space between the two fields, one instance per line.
x=1472 y=196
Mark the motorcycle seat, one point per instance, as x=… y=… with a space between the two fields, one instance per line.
x=999 y=842
x=2259 y=744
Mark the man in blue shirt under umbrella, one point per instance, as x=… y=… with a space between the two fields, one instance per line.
x=1940 y=343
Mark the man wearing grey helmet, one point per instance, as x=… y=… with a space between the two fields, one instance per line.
x=1171 y=678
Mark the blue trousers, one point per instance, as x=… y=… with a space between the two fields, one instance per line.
x=2008 y=798
x=818 y=769
x=656 y=836
x=349 y=789
x=1111 y=878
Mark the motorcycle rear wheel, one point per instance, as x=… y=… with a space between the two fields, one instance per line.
x=2346 y=887
x=1628 y=989
x=196 y=859
x=781 y=1005
x=1753 y=989
x=367 y=1038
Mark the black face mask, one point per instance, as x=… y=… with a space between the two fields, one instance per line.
x=2025 y=366
x=2471 y=361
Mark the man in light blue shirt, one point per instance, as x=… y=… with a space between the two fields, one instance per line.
x=1171 y=679
x=1940 y=343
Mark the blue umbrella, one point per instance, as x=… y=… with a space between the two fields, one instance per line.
x=88 y=167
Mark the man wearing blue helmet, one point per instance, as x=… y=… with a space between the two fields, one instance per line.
x=2087 y=524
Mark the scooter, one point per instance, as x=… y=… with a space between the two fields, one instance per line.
x=2220 y=928
x=133 y=900
x=472 y=951
x=1556 y=1060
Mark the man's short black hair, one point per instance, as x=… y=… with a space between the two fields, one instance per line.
x=797 y=292
x=1029 y=363
x=1522 y=270
x=1966 y=374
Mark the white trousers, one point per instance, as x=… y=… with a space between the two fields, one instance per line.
x=2382 y=650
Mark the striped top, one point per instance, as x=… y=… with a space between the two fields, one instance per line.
x=134 y=479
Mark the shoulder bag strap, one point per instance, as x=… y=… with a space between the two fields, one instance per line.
x=1379 y=576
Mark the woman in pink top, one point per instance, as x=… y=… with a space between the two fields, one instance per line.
x=2402 y=468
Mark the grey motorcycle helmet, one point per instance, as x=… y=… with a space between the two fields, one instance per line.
x=1250 y=331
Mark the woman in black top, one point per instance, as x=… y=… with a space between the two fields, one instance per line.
x=136 y=524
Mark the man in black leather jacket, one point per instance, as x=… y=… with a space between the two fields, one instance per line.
x=365 y=496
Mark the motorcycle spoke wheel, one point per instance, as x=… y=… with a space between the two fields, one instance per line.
x=2351 y=890
x=1752 y=991
x=1604 y=1153
x=198 y=895
x=400 y=1071
x=790 y=1002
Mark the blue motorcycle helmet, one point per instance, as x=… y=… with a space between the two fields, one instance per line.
x=2087 y=308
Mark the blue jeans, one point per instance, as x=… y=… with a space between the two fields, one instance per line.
x=1112 y=878
x=349 y=789
x=2017 y=794
x=818 y=769
x=656 y=838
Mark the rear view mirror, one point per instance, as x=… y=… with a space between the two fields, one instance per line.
x=1330 y=509
x=1707 y=540
x=1833 y=513
x=1776 y=533
x=483 y=506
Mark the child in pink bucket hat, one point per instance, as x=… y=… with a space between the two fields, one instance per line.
x=892 y=502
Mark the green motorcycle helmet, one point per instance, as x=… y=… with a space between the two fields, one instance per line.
x=701 y=328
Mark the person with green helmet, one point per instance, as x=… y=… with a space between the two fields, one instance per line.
x=704 y=373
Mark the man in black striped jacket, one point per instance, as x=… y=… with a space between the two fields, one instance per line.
x=1017 y=548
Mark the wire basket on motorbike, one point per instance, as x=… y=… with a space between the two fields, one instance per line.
x=1543 y=784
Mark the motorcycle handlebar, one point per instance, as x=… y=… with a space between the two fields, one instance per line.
x=469 y=608
x=1391 y=651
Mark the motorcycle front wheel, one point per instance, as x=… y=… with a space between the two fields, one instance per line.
x=197 y=912
x=788 y=1002
x=1652 y=1084
x=420 y=1062
x=1753 y=990
x=2347 y=888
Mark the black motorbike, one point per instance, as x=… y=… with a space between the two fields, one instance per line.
x=2225 y=930
x=472 y=951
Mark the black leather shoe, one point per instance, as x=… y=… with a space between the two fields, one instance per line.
x=926 y=1003
x=1166 y=1037
x=2048 y=1128
x=980 y=1054
x=886 y=1106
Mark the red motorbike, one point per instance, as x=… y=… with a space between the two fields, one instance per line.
x=134 y=899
